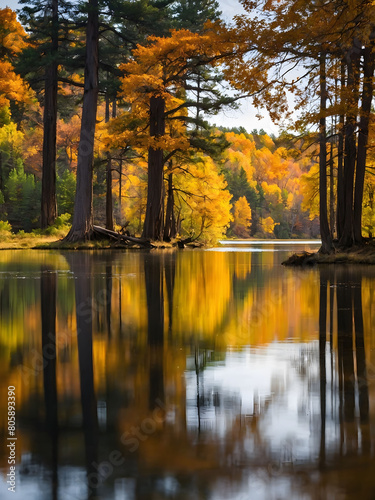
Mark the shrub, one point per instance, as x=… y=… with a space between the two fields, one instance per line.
x=5 y=228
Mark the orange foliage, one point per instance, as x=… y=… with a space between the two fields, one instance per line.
x=12 y=41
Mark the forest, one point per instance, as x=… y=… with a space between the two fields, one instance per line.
x=107 y=112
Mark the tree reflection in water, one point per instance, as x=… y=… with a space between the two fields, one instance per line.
x=81 y=265
x=48 y=289
x=353 y=384
x=261 y=385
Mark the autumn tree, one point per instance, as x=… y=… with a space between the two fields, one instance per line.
x=242 y=218
x=156 y=78
x=13 y=89
x=40 y=62
x=49 y=204
x=82 y=225
x=193 y=14
x=313 y=37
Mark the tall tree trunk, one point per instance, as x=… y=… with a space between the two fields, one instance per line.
x=120 y=192
x=324 y=227
x=82 y=226
x=198 y=101
x=48 y=202
x=353 y=62
x=170 y=219
x=108 y=196
x=331 y=193
x=1 y=172
x=367 y=93
x=340 y=162
x=114 y=108
x=153 y=225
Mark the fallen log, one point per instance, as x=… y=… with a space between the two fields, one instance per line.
x=132 y=240
x=182 y=243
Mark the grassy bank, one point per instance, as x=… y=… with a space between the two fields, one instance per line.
x=21 y=243
x=35 y=240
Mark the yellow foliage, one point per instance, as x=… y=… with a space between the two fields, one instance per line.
x=268 y=224
x=310 y=192
x=272 y=193
x=239 y=155
x=11 y=138
x=267 y=142
x=204 y=202
x=242 y=218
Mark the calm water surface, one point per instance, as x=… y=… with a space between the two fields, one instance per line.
x=212 y=375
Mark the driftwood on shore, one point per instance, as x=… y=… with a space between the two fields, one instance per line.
x=123 y=238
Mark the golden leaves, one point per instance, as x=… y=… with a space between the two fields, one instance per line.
x=242 y=218
x=12 y=41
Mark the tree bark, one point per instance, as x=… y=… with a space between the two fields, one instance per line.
x=82 y=226
x=120 y=193
x=48 y=201
x=367 y=93
x=153 y=225
x=108 y=196
x=170 y=230
x=340 y=162
x=324 y=227
x=353 y=62
x=331 y=193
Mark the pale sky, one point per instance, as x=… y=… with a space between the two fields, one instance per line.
x=245 y=116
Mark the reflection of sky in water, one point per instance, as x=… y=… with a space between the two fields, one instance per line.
x=266 y=246
x=270 y=242
x=254 y=382
x=274 y=390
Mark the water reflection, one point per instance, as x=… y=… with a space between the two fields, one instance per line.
x=82 y=267
x=187 y=375
x=48 y=288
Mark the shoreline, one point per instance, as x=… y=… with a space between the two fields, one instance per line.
x=359 y=255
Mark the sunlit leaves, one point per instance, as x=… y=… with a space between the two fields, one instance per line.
x=203 y=201
x=242 y=218
x=12 y=41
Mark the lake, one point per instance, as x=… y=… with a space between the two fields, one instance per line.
x=198 y=374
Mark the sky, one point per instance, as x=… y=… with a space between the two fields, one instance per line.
x=245 y=116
